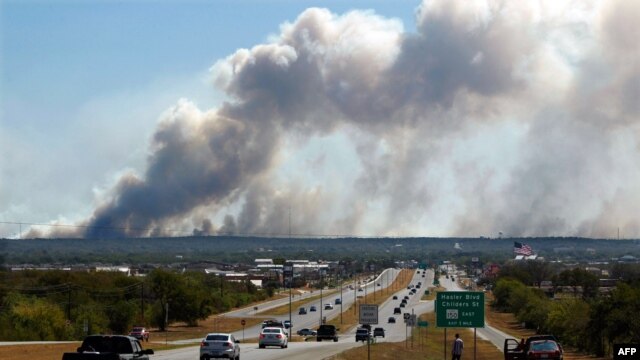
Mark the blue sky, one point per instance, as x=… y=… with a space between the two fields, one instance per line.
x=396 y=118
x=71 y=70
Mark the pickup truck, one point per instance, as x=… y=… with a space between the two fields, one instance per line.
x=514 y=351
x=109 y=347
x=327 y=332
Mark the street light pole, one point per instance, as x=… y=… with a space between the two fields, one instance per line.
x=321 y=297
x=341 y=286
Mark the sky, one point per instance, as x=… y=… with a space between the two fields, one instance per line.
x=364 y=118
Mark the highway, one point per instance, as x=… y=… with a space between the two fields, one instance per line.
x=319 y=350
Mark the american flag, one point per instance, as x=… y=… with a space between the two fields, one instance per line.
x=522 y=249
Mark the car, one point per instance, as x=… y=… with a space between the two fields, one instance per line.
x=273 y=336
x=397 y=311
x=312 y=308
x=287 y=324
x=338 y=301
x=307 y=332
x=363 y=334
x=140 y=333
x=302 y=311
x=378 y=332
x=544 y=349
x=360 y=289
x=403 y=305
x=109 y=347
x=406 y=297
x=379 y=284
x=395 y=297
x=273 y=323
x=219 y=345
x=327 y=332
x=404 y=301
x=392 y=320
x=328 y=306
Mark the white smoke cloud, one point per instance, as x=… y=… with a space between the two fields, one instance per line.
x=493 y=116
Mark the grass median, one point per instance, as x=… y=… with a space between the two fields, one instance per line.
x=428 y=343
x=284 y=309
x=350 y=316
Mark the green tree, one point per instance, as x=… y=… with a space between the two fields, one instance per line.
x=30 y=318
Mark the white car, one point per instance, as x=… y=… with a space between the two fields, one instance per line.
x=273 y=336
x=219 y=345
x=328 y=306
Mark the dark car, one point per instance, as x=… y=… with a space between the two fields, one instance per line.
x=403 y=305
x=327 y=332
x=392 y=320
x=338 y=301
x=312 y=308
x=104 y=347
x=395 y=297
x=302 y=311
x=544 y=349
x=363 y=334
x=378 y=332
x=397 y=311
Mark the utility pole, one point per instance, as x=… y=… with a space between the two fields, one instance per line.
x=142 y=301
x=341 y=286
x=321 y=305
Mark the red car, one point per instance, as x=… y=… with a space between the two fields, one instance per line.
x=544 y=349
x=140 y=333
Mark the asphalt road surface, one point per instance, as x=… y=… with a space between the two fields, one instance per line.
x=319 y=350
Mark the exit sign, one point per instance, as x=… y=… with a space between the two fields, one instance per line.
x=463 y=309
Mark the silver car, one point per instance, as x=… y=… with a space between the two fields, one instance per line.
x=273 y=336
x=219 y=345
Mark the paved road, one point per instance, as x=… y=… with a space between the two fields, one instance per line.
x=488 y=333
x=319 y=350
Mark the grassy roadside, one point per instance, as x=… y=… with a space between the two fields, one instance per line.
x=350 y=316
x=507 y=323
x=432 y=293
x=55 y=351
x=428 y=343
x=284 y=309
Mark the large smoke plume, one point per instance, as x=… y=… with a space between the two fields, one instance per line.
x=519 y=117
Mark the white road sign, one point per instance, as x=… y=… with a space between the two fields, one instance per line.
x=368 y=314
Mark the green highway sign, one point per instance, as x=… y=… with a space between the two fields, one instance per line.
x=423 y=323
x=464 y=309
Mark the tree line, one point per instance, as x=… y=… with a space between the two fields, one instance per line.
x=588 y=319
x=63 y=305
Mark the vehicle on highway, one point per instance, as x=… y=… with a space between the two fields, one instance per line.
x=391 y=320
x=513 y=350
x=395 y=297
x=109 y=347
x=287 y=324
x=544 y=349
x=219 y=345
x=378 y=332
x=327 y=332
x=404 y=301
x=397 y=311
x=379 y=284
x=338 y=301
x=363 y=334
x=404 y=304
x=328 y=306
x=312 y=308
x=273 y=323
x=302 y=311
x=306 y=332
x=140 y=333
x=273 y=336
x=406 y=297
x=360 y=289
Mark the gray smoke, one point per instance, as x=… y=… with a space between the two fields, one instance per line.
x=493 y=116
